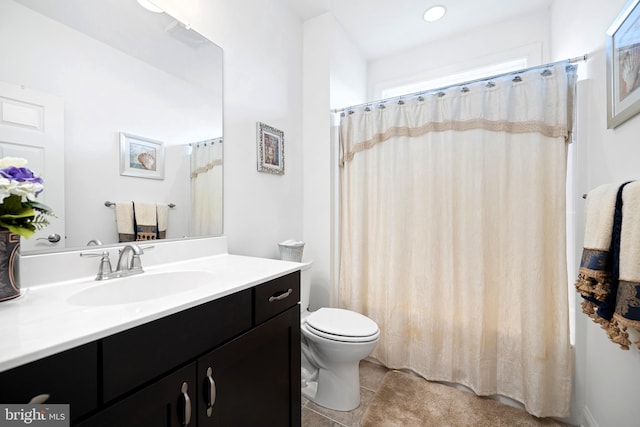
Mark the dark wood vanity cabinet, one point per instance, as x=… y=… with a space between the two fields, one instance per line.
x=234 y=361
x=255 y=379
x=69 y=377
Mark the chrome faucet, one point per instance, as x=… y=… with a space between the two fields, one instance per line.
x=126 y=267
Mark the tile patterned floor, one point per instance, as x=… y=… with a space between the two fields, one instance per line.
x=371 y=376
x=313 y=415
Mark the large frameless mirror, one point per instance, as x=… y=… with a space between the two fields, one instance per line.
x=112 y=103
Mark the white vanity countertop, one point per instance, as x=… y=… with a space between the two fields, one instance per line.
x=42 y=321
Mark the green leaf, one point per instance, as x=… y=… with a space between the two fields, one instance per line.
x=41 y=207
x=22 y=230
x=18 y=213
x=11 y=204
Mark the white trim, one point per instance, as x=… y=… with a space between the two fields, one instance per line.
x=334 y=295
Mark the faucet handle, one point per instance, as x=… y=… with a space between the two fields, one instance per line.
x=105 y=265
x=136 y=263
x=105 y=269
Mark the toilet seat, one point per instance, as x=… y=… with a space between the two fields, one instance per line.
x=342 y=325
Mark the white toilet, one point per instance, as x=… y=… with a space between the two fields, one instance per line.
x=333 y=343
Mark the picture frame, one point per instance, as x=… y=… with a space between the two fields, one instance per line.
x=141 y=157
x=622 y=46
x=270 y=147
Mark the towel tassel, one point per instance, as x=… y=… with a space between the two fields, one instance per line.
x=594 y=284
x=617 y=334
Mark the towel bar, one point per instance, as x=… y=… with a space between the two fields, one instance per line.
x=109 y=204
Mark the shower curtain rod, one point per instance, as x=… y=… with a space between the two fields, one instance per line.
x=423 y=92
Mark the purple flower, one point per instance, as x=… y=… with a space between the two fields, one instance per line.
x=20 y=174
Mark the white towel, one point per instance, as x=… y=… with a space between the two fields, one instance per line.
x=124 y=221
x=609 y=275
x=146 y=220
x=627 y=308
x=593 y=275
x=163 y=219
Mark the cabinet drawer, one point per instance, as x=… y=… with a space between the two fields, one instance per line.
x=70 y=377
x=136 y=356
x=276 y=296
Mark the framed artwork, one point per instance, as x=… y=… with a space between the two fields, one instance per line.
x=270 y=149
x=141 y=157
x=623 y=66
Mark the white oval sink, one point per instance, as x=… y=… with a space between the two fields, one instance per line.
x=141 y=287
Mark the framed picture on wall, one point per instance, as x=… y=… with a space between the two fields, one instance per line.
x=141 y=157
x=623 y=66
x=270 y=145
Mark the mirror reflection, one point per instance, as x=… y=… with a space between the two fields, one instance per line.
x=113 y=105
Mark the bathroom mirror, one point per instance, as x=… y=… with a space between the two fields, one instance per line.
x=118 y=69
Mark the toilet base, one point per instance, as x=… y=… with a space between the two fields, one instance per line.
x=338 y=390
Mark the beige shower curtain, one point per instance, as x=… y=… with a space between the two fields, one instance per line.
x=206 y=188
x=453 y=234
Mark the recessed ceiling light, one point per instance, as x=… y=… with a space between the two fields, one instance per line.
x=150 y=6
x=434 y=13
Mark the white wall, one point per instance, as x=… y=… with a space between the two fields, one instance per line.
x=262 y=42
x=105 y=92
x=524 y=36
x=607 y=378
x=334 y=76
x=316 y=195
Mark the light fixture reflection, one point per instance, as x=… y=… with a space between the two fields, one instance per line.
x=434 y=13
x=150 y=6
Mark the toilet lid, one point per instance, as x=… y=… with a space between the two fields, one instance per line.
x=342 y=323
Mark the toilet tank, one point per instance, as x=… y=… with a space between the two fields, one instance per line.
x=305 y=286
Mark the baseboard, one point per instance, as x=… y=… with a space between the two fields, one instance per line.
x=588 y=420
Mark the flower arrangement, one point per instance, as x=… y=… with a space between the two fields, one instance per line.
x=20 y=213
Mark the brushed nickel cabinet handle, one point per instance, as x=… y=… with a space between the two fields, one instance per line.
x=211 y=392
x=187 y=404
x=281 y=296
x=39 y=399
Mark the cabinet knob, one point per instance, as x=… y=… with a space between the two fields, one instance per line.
x=187 y=404
x=211 y=391
x=280 y=296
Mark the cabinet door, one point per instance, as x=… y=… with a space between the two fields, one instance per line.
x=255 y=379
x=169 y=402
x=70 y=377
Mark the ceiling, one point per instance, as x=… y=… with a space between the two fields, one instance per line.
x=155 y=38
x=383 y=27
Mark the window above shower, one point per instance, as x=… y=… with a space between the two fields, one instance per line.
x=452 y=79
